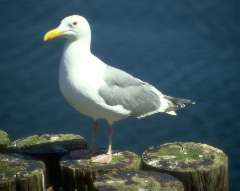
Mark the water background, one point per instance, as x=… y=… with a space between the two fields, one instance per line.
x=185 y=48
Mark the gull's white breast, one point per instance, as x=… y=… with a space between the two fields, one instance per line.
x=80 y=77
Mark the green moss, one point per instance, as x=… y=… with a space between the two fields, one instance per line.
x=118 y=158
x=123 y=181
x=121 y=160
x=182 y=153
x=140 y=185
x=148 y=183
x=9 y=169
x=135 y=181
x=4 y=139
x=32 y=140
x=183 y=157
x=36 y=139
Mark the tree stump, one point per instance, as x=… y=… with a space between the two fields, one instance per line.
x=137 y=181
x=20 y=174
x=49 y=149
x=4 y=140
x=199 y=166
x=79 y=173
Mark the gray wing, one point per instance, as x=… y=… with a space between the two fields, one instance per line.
x=128 y=91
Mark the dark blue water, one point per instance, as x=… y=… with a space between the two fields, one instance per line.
x=185 y=48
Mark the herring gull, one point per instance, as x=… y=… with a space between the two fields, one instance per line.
x=100 y=91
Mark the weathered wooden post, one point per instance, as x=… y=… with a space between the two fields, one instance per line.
x=21 y=174
x=49 y=149
x=199 y=166
x=136 y=181
x=79 y=173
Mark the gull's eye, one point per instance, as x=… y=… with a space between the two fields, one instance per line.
x=75 y=23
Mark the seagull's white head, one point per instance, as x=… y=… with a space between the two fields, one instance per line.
x=74 y=27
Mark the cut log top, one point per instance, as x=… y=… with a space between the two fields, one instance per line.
x=184 y=157
x=137 y=180
x=120 y=160
x=78 y=173
x=199 y=166
x=48 y=144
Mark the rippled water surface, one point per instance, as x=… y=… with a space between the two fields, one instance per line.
x=185 y=48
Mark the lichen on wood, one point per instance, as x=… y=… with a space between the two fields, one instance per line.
x=199 y=166
x=137 y=180
x=18 y=173
x=79 y=173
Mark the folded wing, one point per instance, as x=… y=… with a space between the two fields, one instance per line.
x=139 y=97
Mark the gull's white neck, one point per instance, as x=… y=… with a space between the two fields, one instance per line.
x=75 y=55
x=78 y=46
x=79 y=66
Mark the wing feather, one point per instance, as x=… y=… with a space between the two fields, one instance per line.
x=139 y=97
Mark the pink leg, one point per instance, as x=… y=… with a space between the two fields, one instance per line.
x=105 y=158
x=110 y=133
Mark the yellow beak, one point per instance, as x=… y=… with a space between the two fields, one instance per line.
x=52 y=34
